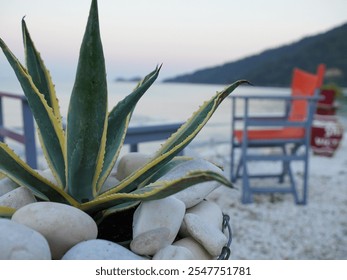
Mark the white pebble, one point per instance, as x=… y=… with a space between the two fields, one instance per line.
x=99 y=249
x=7 y=185
x=17 y=198
x=62 y=225
x=130 y=163
x=19 y=242
x=174 y=253
x=150 y=242
x=165 y=213
x=199 y=252
x=210 y=237
x=209 y=211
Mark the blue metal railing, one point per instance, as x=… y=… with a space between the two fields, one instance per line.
x=134 y=136
x=28 y=136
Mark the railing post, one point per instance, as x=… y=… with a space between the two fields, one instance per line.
x=232 y=144
x=1 y=119
x=29 y=132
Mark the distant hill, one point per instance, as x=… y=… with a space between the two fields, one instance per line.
x=274 y=67
x=133 y=79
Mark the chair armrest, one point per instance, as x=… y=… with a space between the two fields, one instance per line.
x=261 y=118
x=286 y=98
x=275 y=120
x=277 y=97
x=274 y=123
x=269 y=122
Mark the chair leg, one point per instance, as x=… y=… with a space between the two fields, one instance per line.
x=284 y=166
x=235 y=172
x=232 y=163
x=246 y=189
x=234 y=176
x=238 y=168
x=293 y=184
x=303 y=200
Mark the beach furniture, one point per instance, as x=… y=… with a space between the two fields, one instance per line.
x=275 y=141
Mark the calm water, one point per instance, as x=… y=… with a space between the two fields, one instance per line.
x=163 y=103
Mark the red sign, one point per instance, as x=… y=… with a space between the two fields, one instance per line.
x=326 y=135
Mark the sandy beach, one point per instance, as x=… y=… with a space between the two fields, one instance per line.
x=274 y=227
x=277 y=228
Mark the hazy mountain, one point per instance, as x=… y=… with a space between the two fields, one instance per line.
x=274 y=67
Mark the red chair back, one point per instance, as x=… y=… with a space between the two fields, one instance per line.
x=304 y=84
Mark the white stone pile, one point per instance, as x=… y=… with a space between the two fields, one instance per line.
x=181 y=226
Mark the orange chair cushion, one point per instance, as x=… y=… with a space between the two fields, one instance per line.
x=271 y=134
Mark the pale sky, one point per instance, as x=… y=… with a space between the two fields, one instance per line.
x=184 y=35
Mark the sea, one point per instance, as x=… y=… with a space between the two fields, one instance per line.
x=164 y=103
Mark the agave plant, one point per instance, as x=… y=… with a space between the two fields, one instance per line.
x=82 y=156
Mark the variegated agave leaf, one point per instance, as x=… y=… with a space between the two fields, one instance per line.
x=156 y=190
x=118 y=122
x=53 y=139
x=175 y=144
x=87 y=115
x=21 y=173
x=7 y=212
x=43 y=81
x=39 y=73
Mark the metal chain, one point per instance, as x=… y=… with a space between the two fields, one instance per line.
x=225 y=254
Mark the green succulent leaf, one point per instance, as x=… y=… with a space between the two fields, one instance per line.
x=38 y=72
x=43 y=81
x=7 y=212
x=87 y=115
x=21 y=173
x=156 y=190
x=52 y=136
x=161 y=172
x=118 y=122
x=187 y=132
x=176 y=143
x=101 y=215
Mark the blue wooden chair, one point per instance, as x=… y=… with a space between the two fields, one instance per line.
x=287 y=133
